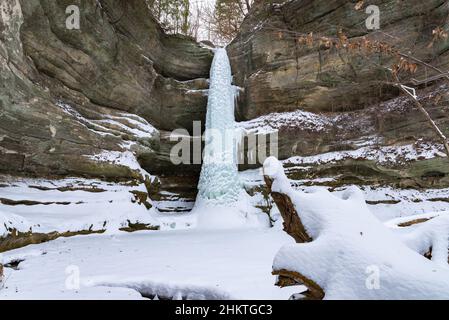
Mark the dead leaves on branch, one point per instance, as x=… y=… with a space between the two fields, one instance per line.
x=360 y=45
x=342 y=38
x=438 y=34
x=404 y=66
x=307 y=40
x=342 y=42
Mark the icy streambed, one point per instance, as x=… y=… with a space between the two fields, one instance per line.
x=182 y=263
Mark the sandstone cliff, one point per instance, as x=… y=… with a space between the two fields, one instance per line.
x=345 y=97
x=70 y=94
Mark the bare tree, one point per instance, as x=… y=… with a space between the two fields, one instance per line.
x=173 y=15
x=224 y=19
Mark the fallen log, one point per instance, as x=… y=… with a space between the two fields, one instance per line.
x=294 y=227
x=343 y=251
x=288 y=278
x=292 y=222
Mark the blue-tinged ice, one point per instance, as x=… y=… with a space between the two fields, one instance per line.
x=222 y=201
x=219 y=180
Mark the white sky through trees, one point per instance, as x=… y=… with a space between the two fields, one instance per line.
x=202 y=5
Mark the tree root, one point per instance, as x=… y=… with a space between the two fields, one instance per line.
x=291 y=278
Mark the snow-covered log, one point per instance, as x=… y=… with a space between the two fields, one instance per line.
x=353 y=255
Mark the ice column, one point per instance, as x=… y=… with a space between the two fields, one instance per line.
x=219 y=181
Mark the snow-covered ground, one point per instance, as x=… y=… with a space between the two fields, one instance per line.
x=197 y=264
x=179 y=260
x=72 y=204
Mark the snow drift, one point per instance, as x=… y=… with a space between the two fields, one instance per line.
x=352 y=255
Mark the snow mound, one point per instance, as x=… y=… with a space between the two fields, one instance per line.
x=155 y=290
x=235 y=215
x=10 y=221
x=353 y=255
x=428 y=235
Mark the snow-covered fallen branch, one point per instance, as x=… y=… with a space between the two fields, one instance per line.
x=352 y=255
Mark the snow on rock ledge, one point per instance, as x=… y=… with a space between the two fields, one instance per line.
x=353 y=255
x=72 y=205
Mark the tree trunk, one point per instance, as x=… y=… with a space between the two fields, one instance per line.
x=291 y=278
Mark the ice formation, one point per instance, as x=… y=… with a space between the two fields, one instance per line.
x=221 y=200
x=219 y=179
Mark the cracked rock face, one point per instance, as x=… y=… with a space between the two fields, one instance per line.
x=279 y=73
x=116 y=84
x=345 y=90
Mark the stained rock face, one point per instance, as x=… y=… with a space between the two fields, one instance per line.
x=114 y=85
x=279 y=73
x=327 y=99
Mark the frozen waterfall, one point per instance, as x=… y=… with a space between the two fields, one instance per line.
x=219 y=181
x=221 y=201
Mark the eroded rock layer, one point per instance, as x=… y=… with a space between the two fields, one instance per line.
x=114 y=85
x=313 y=71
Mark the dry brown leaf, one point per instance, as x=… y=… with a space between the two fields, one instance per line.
x=309 y=39
x=359 y=5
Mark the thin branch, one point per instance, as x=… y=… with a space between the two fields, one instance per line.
x=441 y=72
x=421 y=108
